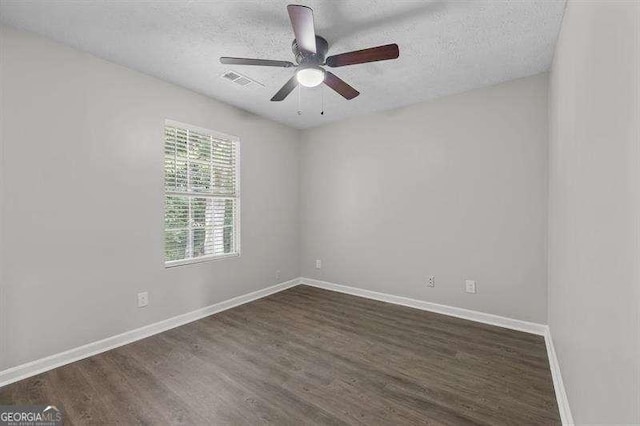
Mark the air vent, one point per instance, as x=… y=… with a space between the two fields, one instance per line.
x=230 y=75
x=239 y=79
x=242 y=81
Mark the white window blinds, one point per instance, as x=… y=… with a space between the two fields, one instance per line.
x=202 y=200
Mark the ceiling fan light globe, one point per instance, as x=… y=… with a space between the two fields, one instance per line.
x=310 y=77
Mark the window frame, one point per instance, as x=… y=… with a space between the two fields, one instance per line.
x=236 y=220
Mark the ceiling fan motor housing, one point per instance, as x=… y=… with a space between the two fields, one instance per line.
x=322 y=47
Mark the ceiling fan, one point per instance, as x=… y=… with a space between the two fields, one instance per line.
x=310 y=51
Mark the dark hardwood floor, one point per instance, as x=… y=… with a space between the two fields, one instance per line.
x=309 y=356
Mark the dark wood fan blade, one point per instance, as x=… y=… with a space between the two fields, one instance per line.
x=380 y=53
x=285 y=90
x=260 y=62
x=339 y=85
x=302 y=22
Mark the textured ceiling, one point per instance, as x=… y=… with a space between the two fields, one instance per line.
x=446 y=47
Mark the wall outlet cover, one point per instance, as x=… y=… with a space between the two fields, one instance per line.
x=143 y=299
x=318 y=264
x=431 y=281
x=470 y=286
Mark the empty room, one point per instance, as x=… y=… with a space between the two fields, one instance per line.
x=357 y=212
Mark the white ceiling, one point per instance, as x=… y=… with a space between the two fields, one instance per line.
x=446 y=47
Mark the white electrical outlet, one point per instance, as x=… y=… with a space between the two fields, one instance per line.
x=318 y=264
x=143 y=299
x=278 y=274
x=431 y=281
x=470 y=286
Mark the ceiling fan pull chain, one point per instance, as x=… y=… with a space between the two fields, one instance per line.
x=322 y=96
x=299 y=94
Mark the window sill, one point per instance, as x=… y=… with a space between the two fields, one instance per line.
x=201 y=259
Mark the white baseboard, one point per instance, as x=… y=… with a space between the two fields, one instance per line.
x=40 y=366
x=514 y=324
x=558 y=384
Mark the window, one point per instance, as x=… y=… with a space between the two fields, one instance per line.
x=202 y=197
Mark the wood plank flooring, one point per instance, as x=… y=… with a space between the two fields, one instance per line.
x=309 y=356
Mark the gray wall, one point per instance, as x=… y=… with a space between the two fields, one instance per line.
x=594 y=186
x=3 y=311
x=455 y=188
x=83 y=200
